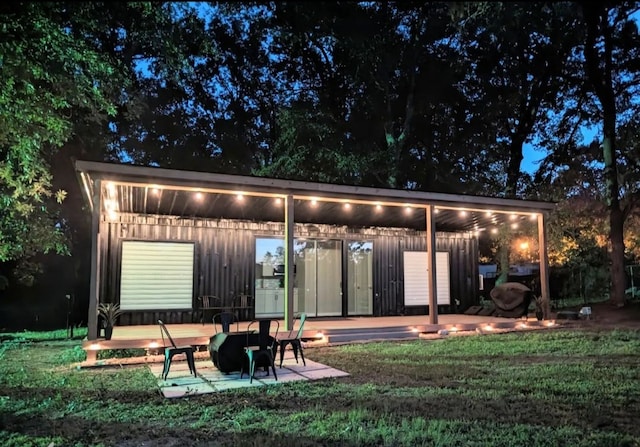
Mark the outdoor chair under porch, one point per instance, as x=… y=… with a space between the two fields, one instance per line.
x=293 y=338
x=226 y=321
x=210 y=303
x=264 y=354
x=171 y=351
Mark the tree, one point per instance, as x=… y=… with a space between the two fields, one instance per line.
x=48 y=77
x=519 y=53
x=207 y=100
x=385 y=76
x=611 y=55
x=68 y=71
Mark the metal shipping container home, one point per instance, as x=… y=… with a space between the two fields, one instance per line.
x=163 y=238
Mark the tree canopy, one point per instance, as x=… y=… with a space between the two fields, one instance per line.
x=439 y=96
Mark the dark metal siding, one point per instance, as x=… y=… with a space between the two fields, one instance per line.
x=225 y=260
x=388 y=268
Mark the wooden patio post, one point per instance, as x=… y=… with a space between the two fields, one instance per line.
x=288 y=263
x=544 y=266
x=431 y=265
x=94 y=282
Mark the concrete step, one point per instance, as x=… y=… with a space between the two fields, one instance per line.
x=360 y=330
x=356 y=335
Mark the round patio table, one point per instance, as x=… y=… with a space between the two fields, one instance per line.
x=227 y=349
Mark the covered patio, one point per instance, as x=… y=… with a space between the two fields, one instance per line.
x=320 y=332
x=397 y=235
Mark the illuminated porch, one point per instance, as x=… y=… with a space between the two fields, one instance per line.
x=320 y=332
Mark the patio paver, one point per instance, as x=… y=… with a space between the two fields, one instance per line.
x=181 y=383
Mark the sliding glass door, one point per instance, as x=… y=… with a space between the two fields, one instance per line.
x=319 y=277
x=359 y=277
x=269 y=287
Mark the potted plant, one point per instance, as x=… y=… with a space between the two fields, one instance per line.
x=109 y=313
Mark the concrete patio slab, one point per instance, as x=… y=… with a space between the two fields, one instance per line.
x=181 y=383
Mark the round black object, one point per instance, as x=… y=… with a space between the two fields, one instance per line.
x=511 y=299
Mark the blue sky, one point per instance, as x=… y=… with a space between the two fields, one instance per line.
x=532 y=156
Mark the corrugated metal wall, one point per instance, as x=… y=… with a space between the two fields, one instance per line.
x=389 y=274
x=225 y=260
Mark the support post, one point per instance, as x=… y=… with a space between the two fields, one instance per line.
x=431 y=265
x=94 y=282
x=94 y=291
x=544 y=267
x=289 y=269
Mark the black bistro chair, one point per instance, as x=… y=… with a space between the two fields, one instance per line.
x=293 y=338
x=225 y=320
x=208 y=303
x=243 y=305
x=264 y=353
x=171 y=351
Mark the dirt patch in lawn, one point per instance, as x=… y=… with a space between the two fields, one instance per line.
x=607 y=316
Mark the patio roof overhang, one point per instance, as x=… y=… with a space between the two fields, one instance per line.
x=159 y=191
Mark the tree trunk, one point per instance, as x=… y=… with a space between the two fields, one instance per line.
x=503 y=258
x=513 y=169
x=599 y=70
x=618 y=277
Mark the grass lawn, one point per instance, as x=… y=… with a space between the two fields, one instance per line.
x=552 y=387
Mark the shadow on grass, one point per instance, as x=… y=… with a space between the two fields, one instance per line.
x=79 y=430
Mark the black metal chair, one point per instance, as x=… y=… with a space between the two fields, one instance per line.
x=225 y=319
x=209 y=303
x=264 y=354
x=293 y=338
x=243 y=304
x=171 y=351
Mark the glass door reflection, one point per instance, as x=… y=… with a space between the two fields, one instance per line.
x=319 y=277
x=359 y=277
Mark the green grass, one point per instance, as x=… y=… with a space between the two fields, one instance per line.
x=555 y=387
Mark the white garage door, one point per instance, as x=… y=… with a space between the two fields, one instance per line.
x=416 y=288
x=156 y=275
